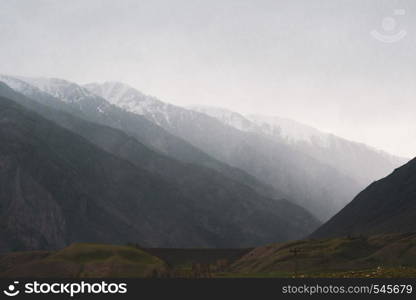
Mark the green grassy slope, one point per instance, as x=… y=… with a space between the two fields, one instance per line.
x=326 y=257
x=82 y=260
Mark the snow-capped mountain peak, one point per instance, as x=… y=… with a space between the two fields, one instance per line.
x=290 y=131
x=227 y=117
x=19 y=85
x=276 y=127
x=125 y=96
x=54 y=89
x=64 y=90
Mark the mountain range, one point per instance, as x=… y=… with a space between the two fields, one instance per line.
x=78 y=101
x=322 y=177
x=65 y=179
x=363 y=163
x=162 y=175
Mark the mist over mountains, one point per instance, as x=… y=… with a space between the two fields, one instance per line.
x=129 y=167
x=319 y=171
x=359 y=161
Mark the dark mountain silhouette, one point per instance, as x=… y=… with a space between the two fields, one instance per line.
x=57 y=188
x=387 y=205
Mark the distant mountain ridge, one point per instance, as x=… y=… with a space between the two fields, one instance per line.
x=363 y=163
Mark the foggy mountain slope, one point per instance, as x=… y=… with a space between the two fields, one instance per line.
x=80 y=102
x=388 y=205
x=228 y=117
x=316 y=186
x=361 y=162
x=81 y=193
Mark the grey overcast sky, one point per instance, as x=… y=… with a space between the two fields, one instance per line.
x=312 y=61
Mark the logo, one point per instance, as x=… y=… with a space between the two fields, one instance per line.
x=11 y=290
x=389 y=26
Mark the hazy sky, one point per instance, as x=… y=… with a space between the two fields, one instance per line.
x=312 y=61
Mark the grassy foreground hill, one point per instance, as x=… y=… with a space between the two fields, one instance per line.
x=387 y=255
x=82 y=260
